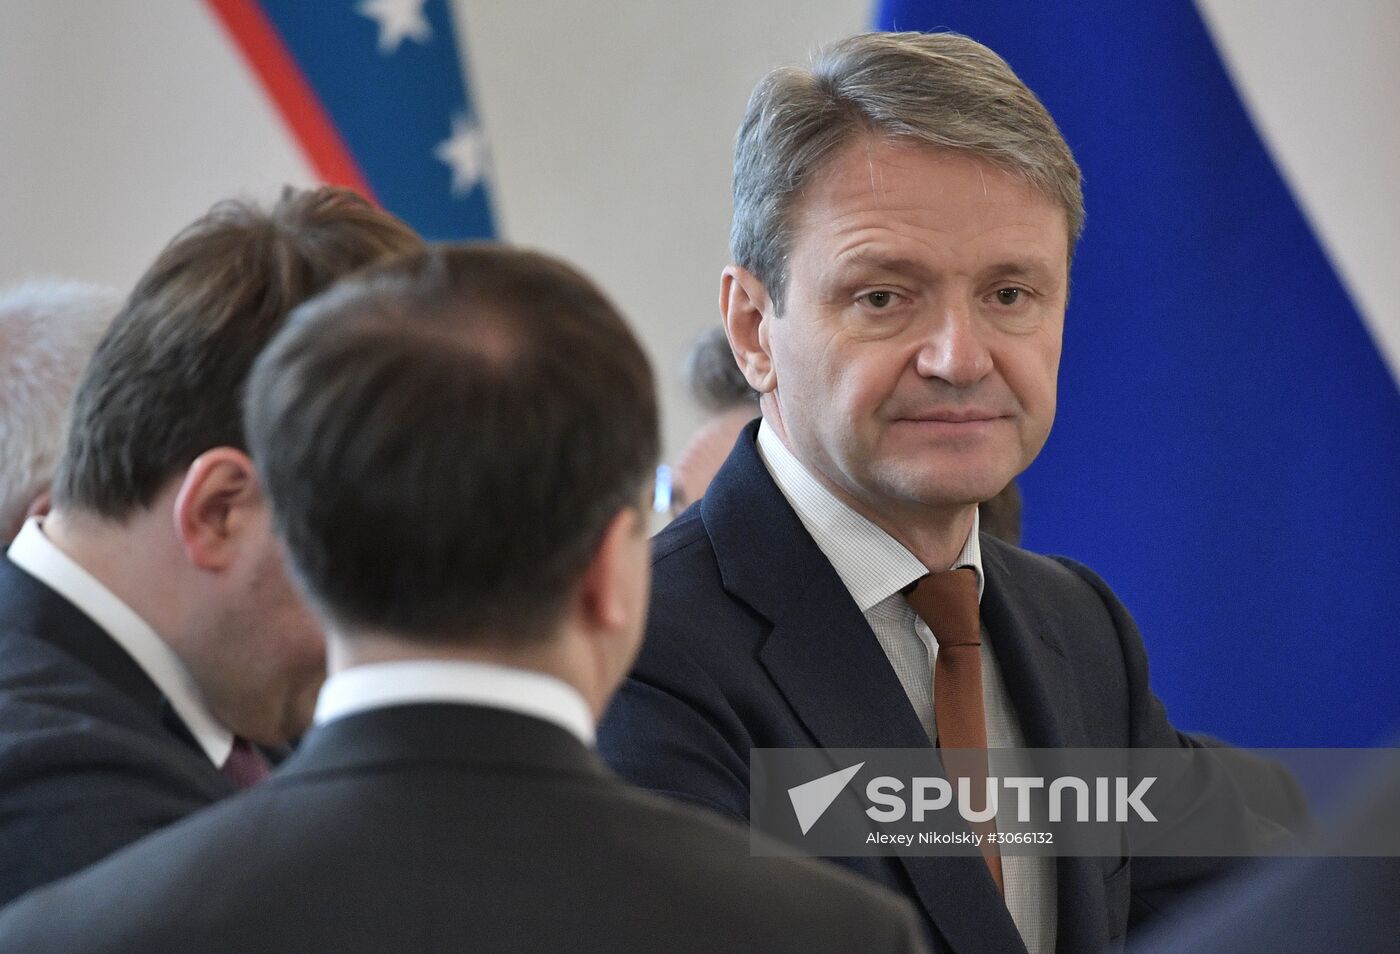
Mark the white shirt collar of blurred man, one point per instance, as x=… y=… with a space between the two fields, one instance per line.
x=423 y=681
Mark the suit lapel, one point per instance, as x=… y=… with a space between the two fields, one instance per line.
x=821 y=653
x=31 y=607
x=1026 y=638
x=833 y=673
x=830 y=668
x=1029 y=638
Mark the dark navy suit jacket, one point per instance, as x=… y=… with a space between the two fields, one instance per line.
x=443 y=827
x=92 y=757
x=753 y=641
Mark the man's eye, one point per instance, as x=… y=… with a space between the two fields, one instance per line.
x=879 y=299
x=1008 y=296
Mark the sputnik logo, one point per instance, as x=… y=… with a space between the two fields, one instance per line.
x=810 y=800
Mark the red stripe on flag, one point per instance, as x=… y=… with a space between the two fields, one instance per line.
x=301 y=109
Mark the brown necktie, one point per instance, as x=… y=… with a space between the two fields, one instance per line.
x=947 y=602
x=245 y=765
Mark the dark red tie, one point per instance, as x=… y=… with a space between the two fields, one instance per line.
x=245 y=765
x=947 y=602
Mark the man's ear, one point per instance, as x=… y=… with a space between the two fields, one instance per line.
x=613 y=590
x=41 y=504
x=747 y=310
x=214 y=506
x=38 y=507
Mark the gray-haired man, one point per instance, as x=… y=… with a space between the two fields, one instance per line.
x=47 y=332
x=905 y=212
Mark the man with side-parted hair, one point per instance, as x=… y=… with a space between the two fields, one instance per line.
x=905 y=212
x=153 y=653
x=47 y=332
x=458 y=450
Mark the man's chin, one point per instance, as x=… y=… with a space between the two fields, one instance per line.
x=948 y=491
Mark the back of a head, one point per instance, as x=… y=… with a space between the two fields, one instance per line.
x=166 y=382
x=445 y=440
x=713 y=377
x=941 y=90
x=48 y=330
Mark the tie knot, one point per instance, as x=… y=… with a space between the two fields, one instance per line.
x=245 y=765
x=947 y=602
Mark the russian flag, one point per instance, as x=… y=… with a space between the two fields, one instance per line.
x=1227 y=448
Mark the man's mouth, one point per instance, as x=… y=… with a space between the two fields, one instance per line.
x=951 y=416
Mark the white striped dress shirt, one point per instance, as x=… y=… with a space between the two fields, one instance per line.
x=875 y=568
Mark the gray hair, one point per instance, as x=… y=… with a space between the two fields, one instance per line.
x=48 y=330
x=938 y=89
x=712 y=376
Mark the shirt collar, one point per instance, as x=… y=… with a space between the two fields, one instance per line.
x=872 y=564
x=37 y=555
x=409 y=682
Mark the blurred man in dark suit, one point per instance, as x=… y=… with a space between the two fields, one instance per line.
x=458 y=450
x=150 y=642
x=718 y=387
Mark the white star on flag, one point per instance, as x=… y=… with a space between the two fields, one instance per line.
x=465 y=152
x=397 y=19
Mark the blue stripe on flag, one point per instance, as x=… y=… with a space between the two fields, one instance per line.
x=397 y=109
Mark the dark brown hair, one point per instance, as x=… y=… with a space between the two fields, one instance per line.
x=166 y=382
x=444 y=440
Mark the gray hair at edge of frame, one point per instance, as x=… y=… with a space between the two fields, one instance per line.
x=48 y=330
x=939 y=89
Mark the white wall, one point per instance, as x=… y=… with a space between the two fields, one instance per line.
x=119 y=123
x=611 y=127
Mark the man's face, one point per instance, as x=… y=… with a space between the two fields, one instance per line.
x=915 y=358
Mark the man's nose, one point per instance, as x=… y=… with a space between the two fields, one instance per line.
x=953 y=349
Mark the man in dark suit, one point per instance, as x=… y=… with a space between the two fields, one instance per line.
x=904 y=217
x=149 y=639
x=458 y=449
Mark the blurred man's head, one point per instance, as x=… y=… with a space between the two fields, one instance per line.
x=905 y=212
x=718 y=386
x=458 y=448
x=47 y=332
x=155 y=494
